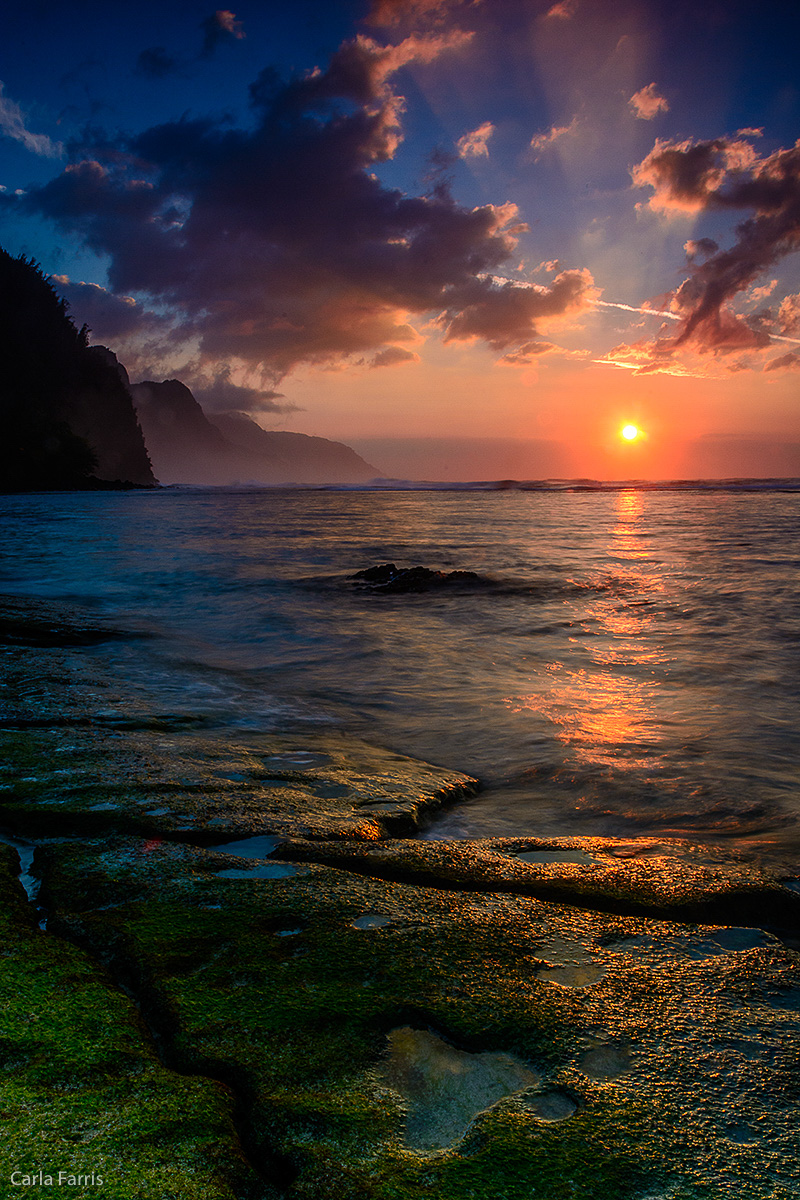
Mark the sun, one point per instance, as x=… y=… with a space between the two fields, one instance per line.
x=629 y=432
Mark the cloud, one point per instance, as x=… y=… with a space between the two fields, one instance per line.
x=527 y=354
x=720 y=175
x=220 y=27
x=504 y=313
x=474 y=145
x=389 y=14
x=155 y=63
x=647 y=104
x=786 y=362
x=701 y=247
x=392 y=356
x=221 y=394
x=542 y=141
x=12 y=125
x=789 y=314
x=109 y=317
x=563 y=11
x=276 y=243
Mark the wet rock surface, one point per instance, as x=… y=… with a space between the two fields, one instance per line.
x=210 y=786
x=483 y=1039
x=233 y=972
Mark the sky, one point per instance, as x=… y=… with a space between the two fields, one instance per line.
x=472 y=238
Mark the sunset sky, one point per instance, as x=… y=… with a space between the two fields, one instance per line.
x=517 y=223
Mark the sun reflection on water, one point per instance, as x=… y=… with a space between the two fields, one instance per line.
x=612 y=712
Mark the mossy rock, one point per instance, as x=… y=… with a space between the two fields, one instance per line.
x=82 y=1090
x=667 y=878
x=663 y=1057
x=211 y=786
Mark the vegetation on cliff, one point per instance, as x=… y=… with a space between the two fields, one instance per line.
x=66 y=414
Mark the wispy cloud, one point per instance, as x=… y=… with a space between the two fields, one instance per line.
x=12 y=125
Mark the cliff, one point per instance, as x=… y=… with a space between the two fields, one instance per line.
x=295 y=457
x=188 y=447
x=66 y=416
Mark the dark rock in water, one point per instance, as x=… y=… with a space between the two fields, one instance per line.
x=389 y=578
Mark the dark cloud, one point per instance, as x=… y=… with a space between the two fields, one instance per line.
x=155 y=63
x=221 y=395
x=701 y=248
x=527 y=354
x=276 y=244
x=110 y=318
x=718 y=175
x=785 y=362
x=504 y=313
x=220 y=27
x=392 y=356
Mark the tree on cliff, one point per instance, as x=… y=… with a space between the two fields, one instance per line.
x=66 y=417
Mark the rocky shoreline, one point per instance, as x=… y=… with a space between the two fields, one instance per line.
x=243 y=974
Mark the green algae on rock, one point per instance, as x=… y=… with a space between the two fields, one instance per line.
x=82 y=1089
x=672 y=1073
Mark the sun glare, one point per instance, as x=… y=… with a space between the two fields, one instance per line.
x=629 y=432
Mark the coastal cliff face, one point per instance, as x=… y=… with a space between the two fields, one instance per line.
x=65 y=411
x=186 y=446
x=70 y=418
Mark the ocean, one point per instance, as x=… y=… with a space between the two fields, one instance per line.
x=626 y=663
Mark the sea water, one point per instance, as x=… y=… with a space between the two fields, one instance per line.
x=627 y=664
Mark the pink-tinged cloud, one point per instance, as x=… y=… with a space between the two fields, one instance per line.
x=277 y=244
x=647 y=104
x=543 y=141
x=564 y=10
x=417 y=14
x=474 y=145
x=789 y=314
x=221 y=26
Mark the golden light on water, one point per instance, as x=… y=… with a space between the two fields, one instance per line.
x=629 y=432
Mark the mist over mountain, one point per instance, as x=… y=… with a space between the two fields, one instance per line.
x=188 y=447
x=66 y=414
